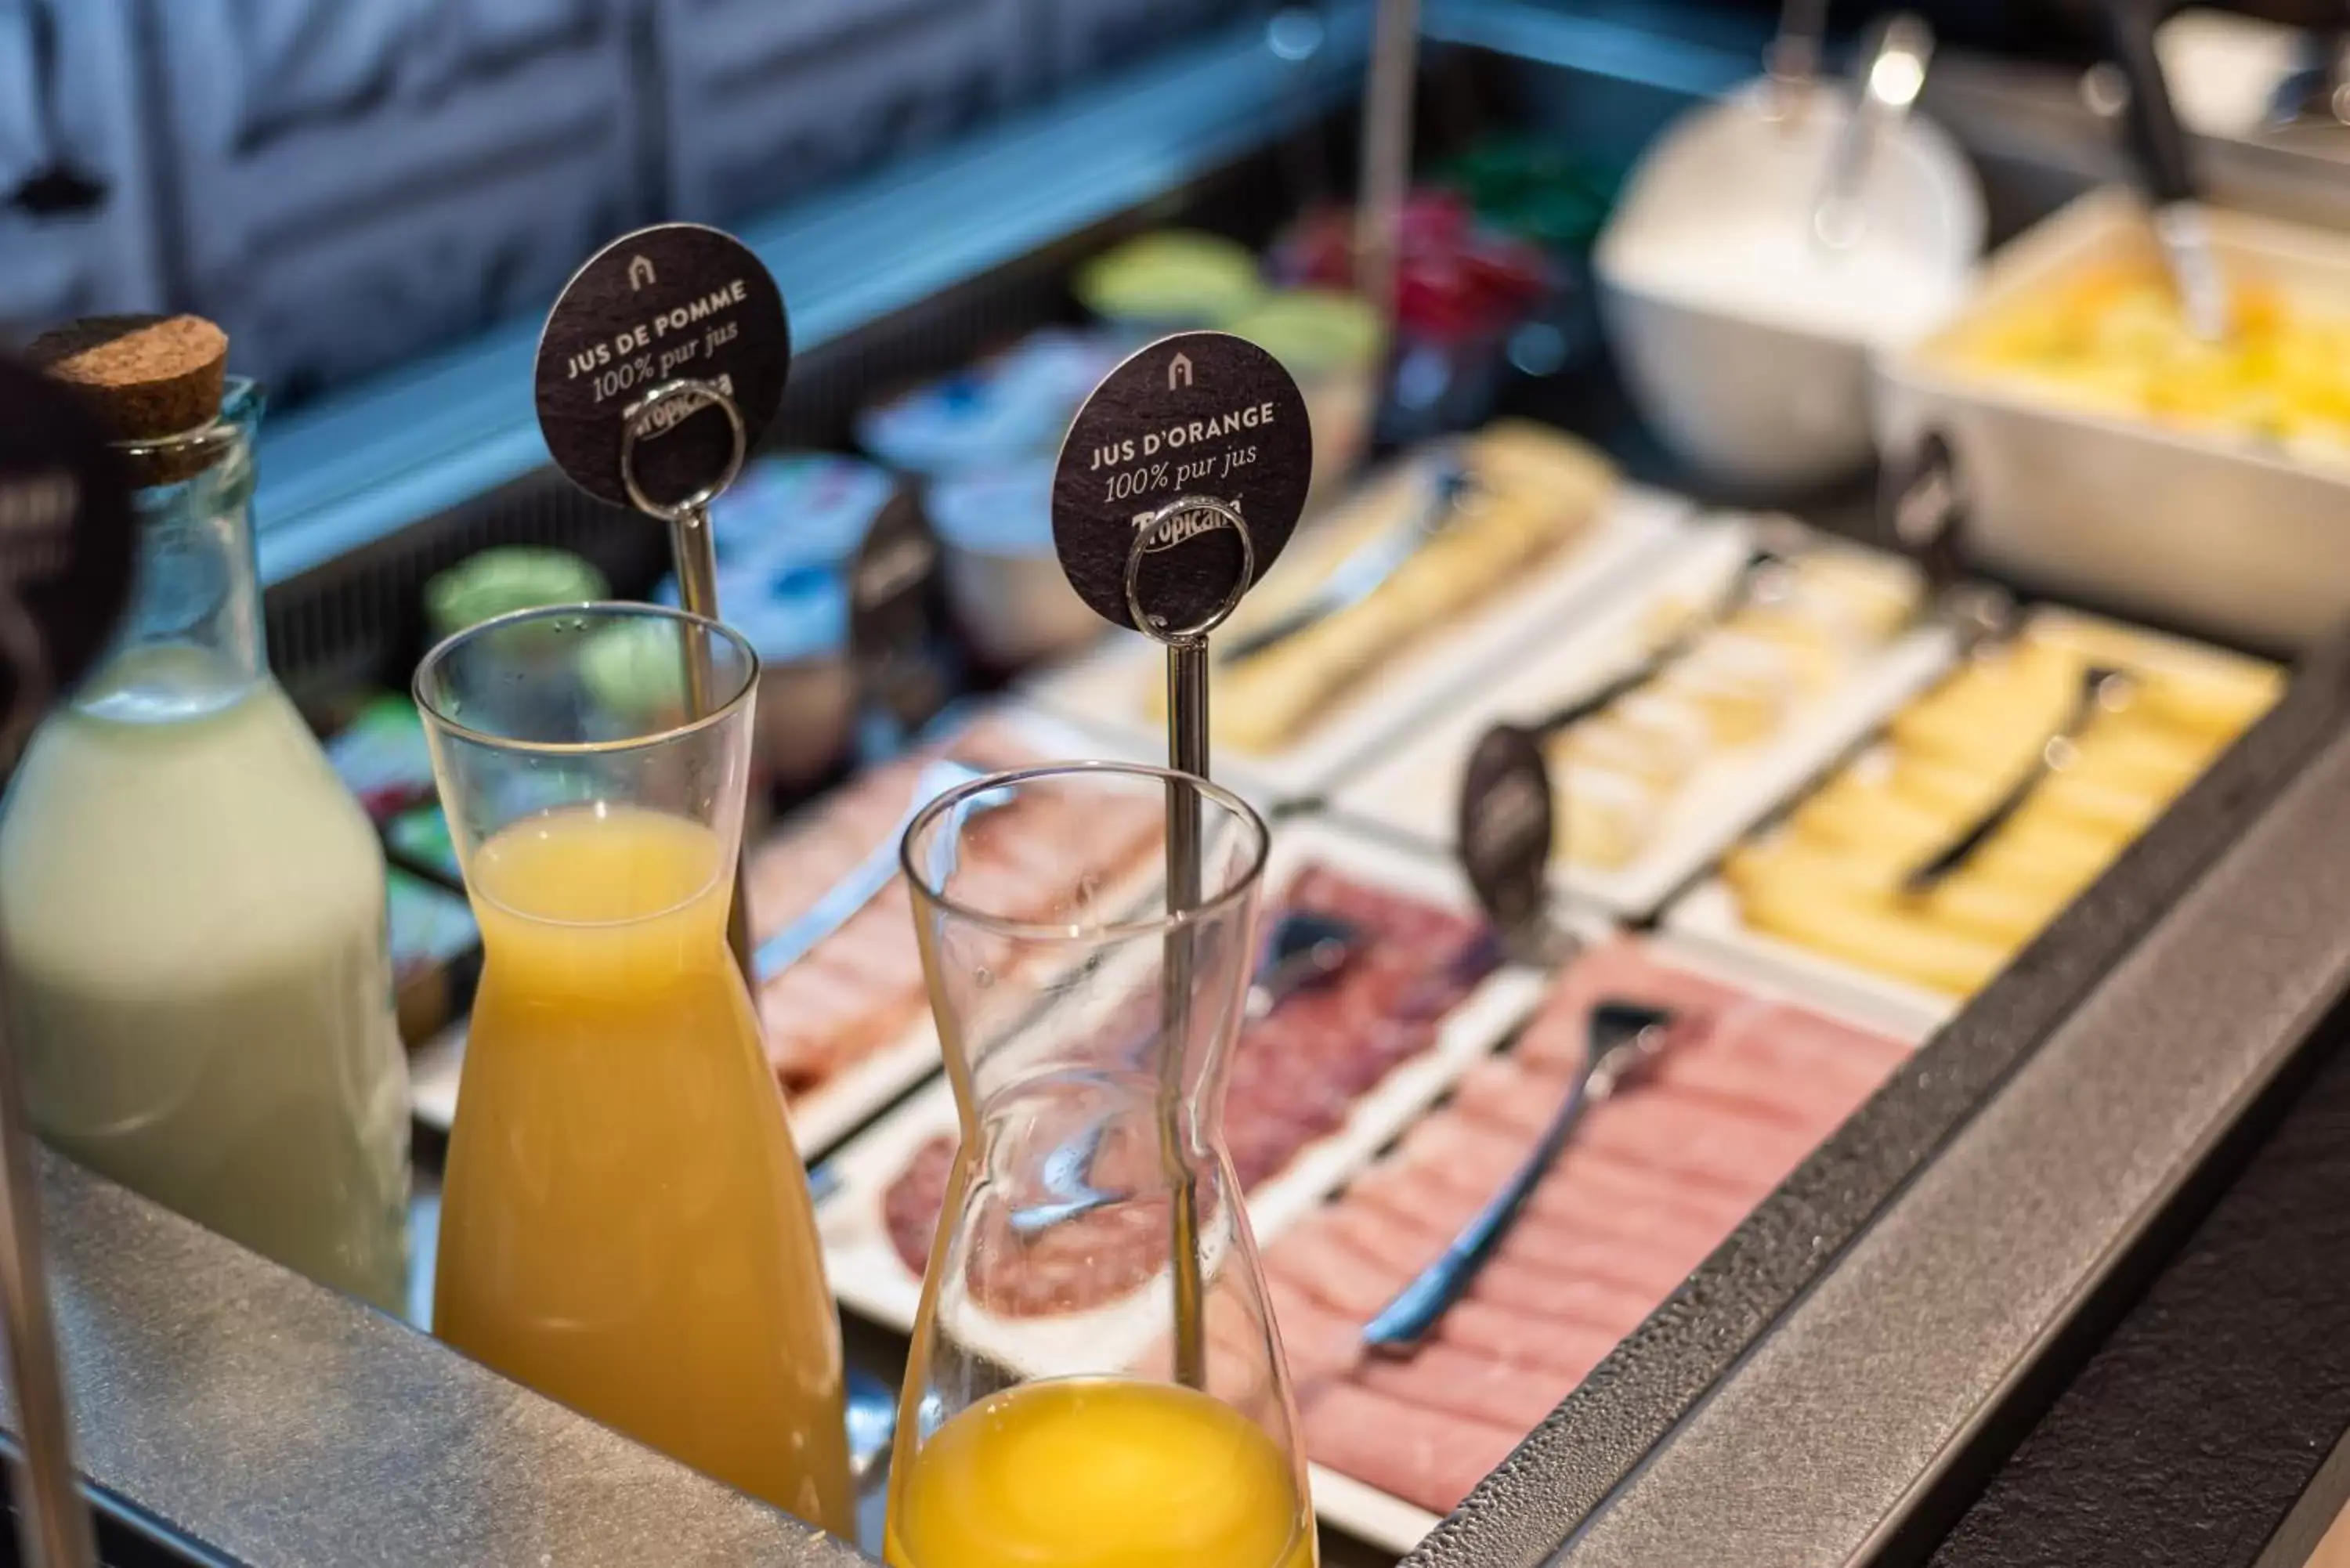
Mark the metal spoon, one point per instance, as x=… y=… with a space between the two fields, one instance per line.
x=1889 y=86
x=1625 y=1037
x=872 y=1424
x=2103 y=689
x=1367 y=570
x=1307 y=949
x=2315 y=94
x=1740 y=594
x=2158 y=148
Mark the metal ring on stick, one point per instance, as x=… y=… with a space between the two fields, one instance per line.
x=1147 y=529
x=710 y=395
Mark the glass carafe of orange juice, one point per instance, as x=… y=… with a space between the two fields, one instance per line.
x=626 y=1225
x=1095 y=1380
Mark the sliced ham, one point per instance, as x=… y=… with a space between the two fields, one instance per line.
x=1697 y=1140
x=1467 y=1383
x=1654 y=1180
x=1318 y=1340
x=1520 y=1285
x=1317 y=1258
x=1563 y=1352
x=1295 y=1077
x=862 y=987
x=1425 y=1456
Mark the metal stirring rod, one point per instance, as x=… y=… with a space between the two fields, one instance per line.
x=54 y=1529
x=1187 y=755
x=1386 y=178
x=697 y=591
x=1187 y=752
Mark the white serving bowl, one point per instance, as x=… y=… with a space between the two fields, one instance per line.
x=1751 y=366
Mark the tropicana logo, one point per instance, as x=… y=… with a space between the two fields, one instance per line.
x=1168 y=530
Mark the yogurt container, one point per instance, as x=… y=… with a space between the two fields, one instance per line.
x=1172 y=281
x=1003 y=577
x=1333 y=343
x=795 y=617
x=506 y=578
x=1015 y=404
x=794 y=508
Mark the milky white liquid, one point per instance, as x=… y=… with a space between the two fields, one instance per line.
x=1880 y=291
x=191 y=908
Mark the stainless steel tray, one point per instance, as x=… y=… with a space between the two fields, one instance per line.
x=2204 y=530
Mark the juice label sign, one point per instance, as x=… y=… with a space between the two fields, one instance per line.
x=674 y=302
x=1200 y=416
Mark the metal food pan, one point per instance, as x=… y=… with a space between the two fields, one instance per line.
x=2204 y=529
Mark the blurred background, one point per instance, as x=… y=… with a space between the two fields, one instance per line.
x=347 y=184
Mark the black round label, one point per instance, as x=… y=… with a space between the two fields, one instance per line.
x=890 y=581
x=674 y=302
x=1505 y=827
x=65 y=544
x=1924 y=509
x=1200 y=414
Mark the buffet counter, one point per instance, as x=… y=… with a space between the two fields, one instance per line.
x=231 y=1412
x=1821 y=1389
x=1836 y=1379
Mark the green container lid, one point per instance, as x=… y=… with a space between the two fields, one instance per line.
x=512 y=577
x=634 y=668
x=1177 y=277
x=1315 y=331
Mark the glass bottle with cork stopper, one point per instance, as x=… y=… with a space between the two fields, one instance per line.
x=191 y=906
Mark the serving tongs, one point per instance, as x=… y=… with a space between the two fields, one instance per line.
x=2315 y=94
x=1890 y=84
x=1371 y=566
x=866 y=881
x=1625 y=1037
x=1780 y=541
x=2157 y=148
x=2103 y=689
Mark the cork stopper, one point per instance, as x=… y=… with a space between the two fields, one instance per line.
x=146 y=377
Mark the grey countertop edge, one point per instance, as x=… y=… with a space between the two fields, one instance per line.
x=279 y=1424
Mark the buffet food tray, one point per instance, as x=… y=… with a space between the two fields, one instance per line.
x=1105 y=692
x=871 y=1280
x=1707 y=919
x=2203 y=528
x=1396 y=1524
x=1708 y=916
x=849 y=1098
x=1414 y=789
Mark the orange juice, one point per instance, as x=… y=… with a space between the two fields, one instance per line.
x=1099 y=1473
x=626 y=1226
